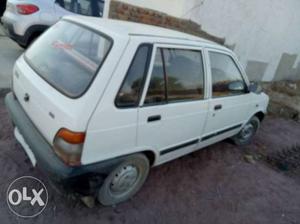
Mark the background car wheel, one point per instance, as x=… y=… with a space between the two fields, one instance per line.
x=248 y=131
x=125 y=180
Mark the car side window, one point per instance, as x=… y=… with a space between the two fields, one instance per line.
x=83 y=7
x=185 y=74
x=177 y=75
x=227 y=79
x=156 y=93
x=131 y=89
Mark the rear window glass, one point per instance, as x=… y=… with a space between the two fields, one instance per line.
x=68 y=57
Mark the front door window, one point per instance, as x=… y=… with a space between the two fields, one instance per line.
x=226 y=77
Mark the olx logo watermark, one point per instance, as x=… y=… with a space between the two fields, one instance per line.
x=27 y=197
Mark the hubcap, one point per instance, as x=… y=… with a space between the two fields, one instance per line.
x=247 y=131
x=124 y=180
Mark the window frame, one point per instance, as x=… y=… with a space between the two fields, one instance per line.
x=236 y=63
x=149 y=75
x=146 y=71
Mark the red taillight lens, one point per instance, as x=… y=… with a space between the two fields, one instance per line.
x=68 y=146
x=27 y=9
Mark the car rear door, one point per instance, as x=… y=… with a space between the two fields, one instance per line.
x=228 y=109
x=174 y=107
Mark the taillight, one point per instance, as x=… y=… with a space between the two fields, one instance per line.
x=27 y=9
x=68 y=146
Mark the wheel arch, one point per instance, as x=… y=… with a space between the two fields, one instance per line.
x=260 y=115
x=151 y=155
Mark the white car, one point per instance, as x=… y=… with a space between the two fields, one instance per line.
x=25 y=20
x=110 y=99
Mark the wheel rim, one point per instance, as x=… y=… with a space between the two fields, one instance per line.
x=124 y=180
x=247 y=132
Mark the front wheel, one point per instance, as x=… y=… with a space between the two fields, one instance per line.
x=125 y=180
x=248 y=131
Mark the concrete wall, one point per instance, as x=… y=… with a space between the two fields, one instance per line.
x=264 y=34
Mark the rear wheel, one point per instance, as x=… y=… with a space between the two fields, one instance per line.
x=248 y=131
x=125 y=180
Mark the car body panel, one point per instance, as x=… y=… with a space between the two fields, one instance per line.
x=112 y=132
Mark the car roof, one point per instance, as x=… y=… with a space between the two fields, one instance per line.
x=125 y=28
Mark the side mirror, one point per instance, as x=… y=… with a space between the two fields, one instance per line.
x=236 y=86
x=254 y=87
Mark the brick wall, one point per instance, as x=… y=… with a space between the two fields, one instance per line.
x=123 y=11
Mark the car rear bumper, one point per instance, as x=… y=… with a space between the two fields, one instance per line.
x=45 y=157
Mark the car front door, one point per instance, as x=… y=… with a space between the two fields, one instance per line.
x=229 y=107
x=174 y=107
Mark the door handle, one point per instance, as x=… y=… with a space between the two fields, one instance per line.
x=154 y=118
x=218 y=107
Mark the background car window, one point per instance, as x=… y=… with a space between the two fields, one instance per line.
x=131 y=88
x=225 y=73
x=83 y=7
x=156 y=92
x=185 y=74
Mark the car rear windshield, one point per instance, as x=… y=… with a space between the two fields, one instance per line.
x=69 y=56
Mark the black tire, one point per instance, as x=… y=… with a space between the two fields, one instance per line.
x=245 y=136
x=130 y=175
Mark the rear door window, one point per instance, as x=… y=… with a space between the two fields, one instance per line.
x=177 y=75
x=69 y=56
x=157 y=87
x=185 y=74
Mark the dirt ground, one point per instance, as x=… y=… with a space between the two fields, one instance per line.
x=213 y=185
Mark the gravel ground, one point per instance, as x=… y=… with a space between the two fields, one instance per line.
x=213 y=185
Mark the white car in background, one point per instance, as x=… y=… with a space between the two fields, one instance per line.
x=25 y=20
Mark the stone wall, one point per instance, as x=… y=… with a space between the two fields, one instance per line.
x=123 y=11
